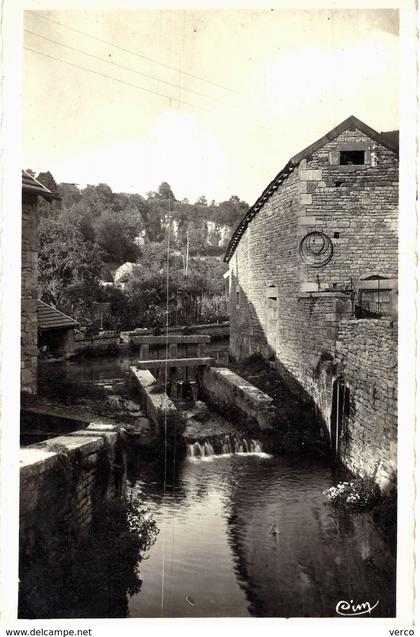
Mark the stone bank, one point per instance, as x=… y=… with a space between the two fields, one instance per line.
x=64 y=483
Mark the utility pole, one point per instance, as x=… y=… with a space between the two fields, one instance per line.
x=188 y=250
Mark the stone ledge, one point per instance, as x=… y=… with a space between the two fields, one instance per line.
x=34 y=461
x=323 y=294
x=227 y=389
x=243 y=385
x=383 y=322
x=159 y=406
x=110 y=436
x=72 y=443
x=100 y=426
x=171 y=339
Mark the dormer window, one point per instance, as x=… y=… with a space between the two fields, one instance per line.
x=352 y=157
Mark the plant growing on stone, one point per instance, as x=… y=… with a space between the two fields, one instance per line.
x=91 y=578
x=360 y=494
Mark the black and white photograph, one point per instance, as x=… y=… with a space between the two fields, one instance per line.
x=208 y=298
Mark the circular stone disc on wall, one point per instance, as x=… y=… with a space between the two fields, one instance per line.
x=316 y=249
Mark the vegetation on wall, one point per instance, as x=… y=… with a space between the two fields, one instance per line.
x=91 y=578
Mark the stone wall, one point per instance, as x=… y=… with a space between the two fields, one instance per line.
x=29 y=293
x=357 y=202
x=368 y=353
x=229 y=391
x=292 y=312
x=63 y=482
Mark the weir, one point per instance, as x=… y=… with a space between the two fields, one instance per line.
x=224 y=445
x=166 y=382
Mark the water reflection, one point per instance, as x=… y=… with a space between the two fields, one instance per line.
x=254 y=536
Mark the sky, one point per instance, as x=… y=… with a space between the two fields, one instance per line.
x=214 y=102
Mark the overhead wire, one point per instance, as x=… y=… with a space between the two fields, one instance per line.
x=122 y=66
x=140 y=55
x=170 y=98
x=110 y=77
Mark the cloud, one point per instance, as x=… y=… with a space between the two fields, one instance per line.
x=177 y=150
x=309 y=79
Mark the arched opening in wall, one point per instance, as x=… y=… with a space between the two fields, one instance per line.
x=339 y=409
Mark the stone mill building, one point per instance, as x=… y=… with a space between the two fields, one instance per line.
x=313 y=286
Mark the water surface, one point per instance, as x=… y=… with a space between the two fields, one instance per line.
x=254 y=536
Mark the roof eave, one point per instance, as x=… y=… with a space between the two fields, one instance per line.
x=351 y=123
x=37 y=191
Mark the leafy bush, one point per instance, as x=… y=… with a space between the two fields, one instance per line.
x=360 y=494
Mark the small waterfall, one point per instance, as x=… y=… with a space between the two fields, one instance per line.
x=226 y=445
x=184 y=390
x=208 y=449
x=196 y=449
x=194 y=391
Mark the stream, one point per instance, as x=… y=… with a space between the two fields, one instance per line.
x=245 y=533
x=252 y=535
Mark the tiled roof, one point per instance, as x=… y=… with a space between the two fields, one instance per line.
x=30 y=184
x=50 y=318
x=389 y=140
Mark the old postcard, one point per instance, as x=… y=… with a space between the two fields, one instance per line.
x=208 y=342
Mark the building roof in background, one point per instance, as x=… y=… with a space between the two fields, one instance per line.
x=30 y=184
x=389 y=139
x=50 y=319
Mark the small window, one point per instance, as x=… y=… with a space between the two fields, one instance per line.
x=352 y=157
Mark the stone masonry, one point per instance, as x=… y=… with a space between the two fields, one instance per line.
x=29 y=278
x=304 y=317
x=63 y=481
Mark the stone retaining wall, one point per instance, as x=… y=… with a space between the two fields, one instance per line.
x=158 y=406
x=227 y=390
x=64 y=481
x=368 y=352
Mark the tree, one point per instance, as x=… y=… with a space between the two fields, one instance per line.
x=65 y=259
x=154 y=256
x=46 y=208
x=165 y=192
x=115 y=234
x=48 y=181
x=201 y=201
x=96 y=199
x=120 y=311
x=70 y=194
